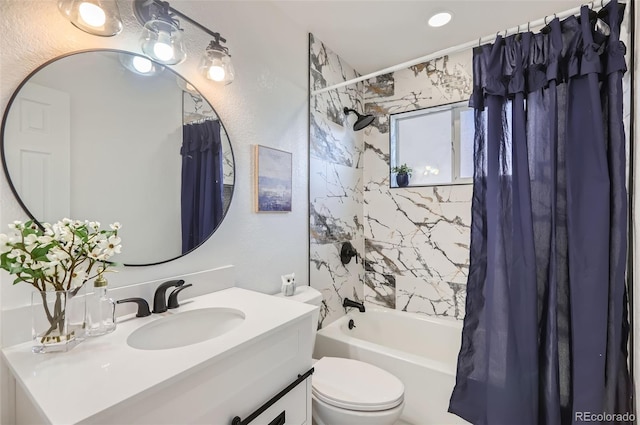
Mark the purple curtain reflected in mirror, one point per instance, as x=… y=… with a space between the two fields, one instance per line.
x=202 y=182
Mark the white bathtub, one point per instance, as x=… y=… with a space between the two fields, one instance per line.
x=419 y=350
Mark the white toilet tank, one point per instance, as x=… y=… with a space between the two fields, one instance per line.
x=307 y=295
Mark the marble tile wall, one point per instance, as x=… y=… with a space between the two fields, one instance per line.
x=416 y=238
x=415 y=241
x=335 y=182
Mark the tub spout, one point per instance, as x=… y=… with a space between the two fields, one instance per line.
x=349 y=303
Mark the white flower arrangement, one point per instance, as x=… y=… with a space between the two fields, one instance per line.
x=60 y=256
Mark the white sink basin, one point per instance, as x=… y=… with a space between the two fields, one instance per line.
x=185 y=328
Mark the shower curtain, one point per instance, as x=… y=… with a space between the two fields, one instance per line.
x=202 y=182
x=545 y=334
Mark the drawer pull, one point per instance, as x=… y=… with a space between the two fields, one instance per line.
x=279 y=420
x=238 y=421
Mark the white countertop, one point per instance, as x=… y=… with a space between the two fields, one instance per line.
x=104 y=371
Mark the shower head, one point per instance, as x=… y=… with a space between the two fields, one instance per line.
x=362 y=121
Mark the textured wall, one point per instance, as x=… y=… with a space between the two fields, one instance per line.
x=416 y=238
x=267 y=105
x=335 y=183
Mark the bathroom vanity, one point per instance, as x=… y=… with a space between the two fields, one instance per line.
x=105 y=380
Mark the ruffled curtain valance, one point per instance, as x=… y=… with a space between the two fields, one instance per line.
x=527 y=62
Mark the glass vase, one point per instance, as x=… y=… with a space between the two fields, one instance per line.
x=58 y=320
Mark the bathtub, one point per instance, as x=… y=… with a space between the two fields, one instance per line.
x=419 y=350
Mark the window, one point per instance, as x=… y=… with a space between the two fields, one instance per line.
x=436 y=143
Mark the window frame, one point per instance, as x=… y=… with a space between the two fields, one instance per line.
x=396 y=118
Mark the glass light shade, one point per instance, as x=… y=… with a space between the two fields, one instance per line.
x=97 y=17
x=216 y=66
x=140 y=65
x=162 y=42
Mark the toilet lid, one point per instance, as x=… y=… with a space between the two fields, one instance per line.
x=355 y=385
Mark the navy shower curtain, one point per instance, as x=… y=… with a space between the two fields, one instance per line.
x=202 y=182
x=545 y=334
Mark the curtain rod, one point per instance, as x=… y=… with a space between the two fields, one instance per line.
x=458 y=48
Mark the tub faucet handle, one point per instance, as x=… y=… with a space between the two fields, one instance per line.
x=347 y=252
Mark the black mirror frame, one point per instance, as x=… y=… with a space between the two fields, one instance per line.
x=14 y=189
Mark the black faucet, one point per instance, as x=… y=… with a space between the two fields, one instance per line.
x=160 y=298
x=143 y=306
x=349 y=303
x=173 y=296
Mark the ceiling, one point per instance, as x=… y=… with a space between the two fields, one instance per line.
x=373 y=35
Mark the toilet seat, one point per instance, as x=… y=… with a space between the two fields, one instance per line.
x=355 y=385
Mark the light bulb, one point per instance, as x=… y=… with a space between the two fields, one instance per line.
x=216 y=73
x=142 y=65
x=162 y=50
x=92 y=14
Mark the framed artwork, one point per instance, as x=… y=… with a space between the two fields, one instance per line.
x=273 y=177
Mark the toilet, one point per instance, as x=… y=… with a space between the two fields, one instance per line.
x=347 y=391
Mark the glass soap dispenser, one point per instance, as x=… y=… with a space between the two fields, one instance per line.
x=101 y=310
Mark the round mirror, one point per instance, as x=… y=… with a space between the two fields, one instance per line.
x=110 y=136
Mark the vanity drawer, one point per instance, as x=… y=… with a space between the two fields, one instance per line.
x=292 y=409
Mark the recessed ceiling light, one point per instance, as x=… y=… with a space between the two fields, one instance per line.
x=440 y=19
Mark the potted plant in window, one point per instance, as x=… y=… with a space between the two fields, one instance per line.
x=403 y=172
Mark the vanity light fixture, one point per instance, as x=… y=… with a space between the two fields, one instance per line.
x=97 y=17
x=216 y=62
x=440 y=19
x=157 y=42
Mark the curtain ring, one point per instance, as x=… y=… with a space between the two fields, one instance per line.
x=529 y=26
x=545 y=20
x=479 y=41
x=601 y=3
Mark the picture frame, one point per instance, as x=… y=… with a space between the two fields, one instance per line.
x=272 y=179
